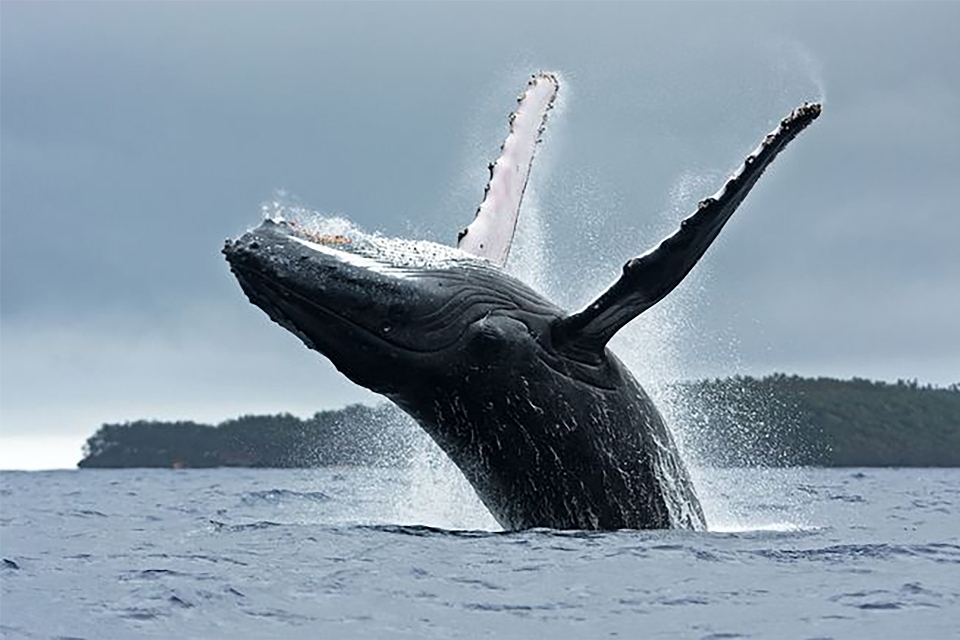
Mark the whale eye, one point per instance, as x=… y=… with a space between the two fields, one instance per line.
x=491 y=337
x=485 y=342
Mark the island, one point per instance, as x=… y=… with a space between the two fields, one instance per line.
x=777 y=420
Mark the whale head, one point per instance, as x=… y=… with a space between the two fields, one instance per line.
x=385 y=312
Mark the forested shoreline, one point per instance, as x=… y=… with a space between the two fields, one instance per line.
x=778 y=420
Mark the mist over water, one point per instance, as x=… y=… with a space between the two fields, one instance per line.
x=798 y=66
x=436 y=493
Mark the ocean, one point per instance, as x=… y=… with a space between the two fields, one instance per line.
x=400 y=553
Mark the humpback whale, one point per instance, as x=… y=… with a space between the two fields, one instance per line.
x=544 y=421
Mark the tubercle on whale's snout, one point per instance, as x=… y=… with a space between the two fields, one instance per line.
x=238 y=253
x=257 y=246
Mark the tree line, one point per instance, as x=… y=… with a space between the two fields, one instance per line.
x=354 y=435
x=777 y=420
x=782 y=420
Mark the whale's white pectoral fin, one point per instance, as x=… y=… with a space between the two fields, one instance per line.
x=650 y=277
x=491 y=233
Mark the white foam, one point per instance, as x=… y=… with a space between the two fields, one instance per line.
x=779 y=527
x=354 y=259
x=348 y=242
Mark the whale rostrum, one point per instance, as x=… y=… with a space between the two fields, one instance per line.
x=544 y=421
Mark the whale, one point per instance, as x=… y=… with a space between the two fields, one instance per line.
x=544 y=421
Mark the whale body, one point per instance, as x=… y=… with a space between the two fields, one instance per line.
x=544 y=421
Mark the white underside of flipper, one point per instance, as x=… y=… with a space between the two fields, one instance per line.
x=491 y=233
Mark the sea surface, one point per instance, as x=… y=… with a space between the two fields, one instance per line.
x=391 y=553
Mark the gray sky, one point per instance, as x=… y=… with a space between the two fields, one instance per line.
x=136 y=137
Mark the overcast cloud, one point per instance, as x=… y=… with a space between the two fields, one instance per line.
x=136 y=137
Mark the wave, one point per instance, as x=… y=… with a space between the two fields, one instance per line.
x=250 y=526
x=844 y=553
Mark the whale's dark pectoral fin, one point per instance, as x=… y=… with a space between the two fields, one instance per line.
x=491 y=232
x=647 y=279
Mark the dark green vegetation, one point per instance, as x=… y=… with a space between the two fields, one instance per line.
x=784 y=420
x=772 y=421
x=354 y=435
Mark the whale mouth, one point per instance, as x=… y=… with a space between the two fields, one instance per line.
x=293 y=309
x=284 y=305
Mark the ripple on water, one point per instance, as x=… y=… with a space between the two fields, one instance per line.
x=249 y=526
x=282 y=496
x=256 y=569
x=843 y=553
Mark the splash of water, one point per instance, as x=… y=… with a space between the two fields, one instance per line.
x=652 y=347
x=528 y=256
x=395 y=252
x=655 y=348
x=437 y=493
